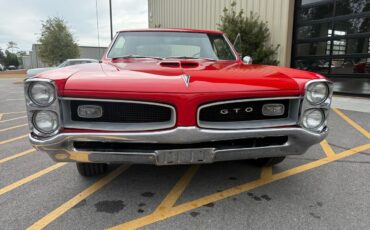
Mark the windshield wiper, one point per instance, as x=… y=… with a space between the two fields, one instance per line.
x=135 y=56
x=187 y=57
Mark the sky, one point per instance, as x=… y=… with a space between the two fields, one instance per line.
x=20 y=20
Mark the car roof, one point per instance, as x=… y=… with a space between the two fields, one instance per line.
x=186 y=30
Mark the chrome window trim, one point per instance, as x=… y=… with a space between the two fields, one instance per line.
x=232 y=48
x=292 y=119
x=110 y=126
x=105 y=56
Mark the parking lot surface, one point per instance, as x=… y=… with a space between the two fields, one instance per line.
x=326 y=188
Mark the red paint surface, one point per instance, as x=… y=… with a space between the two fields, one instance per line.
x=160 y=81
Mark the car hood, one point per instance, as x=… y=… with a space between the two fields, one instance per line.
x=33 y=72
x=181 y=77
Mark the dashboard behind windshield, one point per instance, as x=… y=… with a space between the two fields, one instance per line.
x=171 y=44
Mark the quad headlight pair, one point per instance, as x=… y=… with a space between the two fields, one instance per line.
x=42 y=106
x=316 y=104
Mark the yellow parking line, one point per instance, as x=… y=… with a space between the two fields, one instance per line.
x=17 y=155
x=178 y=189
x=13 y=139
x=13 y=119
x=15 y=99
x=13 y=127
x=13 y=112
x=44 y=221
x=182 y=208
x=327 y=149
x=30 y=178
x=1 y=116
x=352 y=123
x=266 y=172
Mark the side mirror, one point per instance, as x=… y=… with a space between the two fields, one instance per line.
x=247 y=60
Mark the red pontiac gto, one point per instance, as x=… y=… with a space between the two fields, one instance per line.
x=175 y=96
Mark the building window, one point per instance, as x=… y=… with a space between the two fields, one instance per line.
x=339 y=46
x=332 y=37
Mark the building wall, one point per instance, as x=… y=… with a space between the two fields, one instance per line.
x=205 y=14
x=91 y=52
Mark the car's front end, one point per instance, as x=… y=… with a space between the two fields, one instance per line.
x=73 y=129
x=161 y=112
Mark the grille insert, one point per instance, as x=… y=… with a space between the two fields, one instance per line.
x=240 y=111
x=124 y=112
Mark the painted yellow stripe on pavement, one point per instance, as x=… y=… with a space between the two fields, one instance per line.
x=13 y=112
x=1 y=116
x=15 y=99
x=17 y=155
x=182 y=208
x=13 y=119
x=266 y=172
x=327 y=148
x=30 y=178
x=178 y=189
x=352 y=123
x=13 y=139
x=13 y=127
x=43 y=222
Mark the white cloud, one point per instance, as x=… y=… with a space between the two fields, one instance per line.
x=22 y=24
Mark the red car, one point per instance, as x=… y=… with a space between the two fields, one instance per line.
x=175 y=96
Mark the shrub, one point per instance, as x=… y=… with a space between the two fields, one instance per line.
x=254 y=35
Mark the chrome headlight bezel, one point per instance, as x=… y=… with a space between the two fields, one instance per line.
x=39 y=130
x=323 y=105
x=310 y=90
x=34 y=107
x=50 y=88
x=305 y=115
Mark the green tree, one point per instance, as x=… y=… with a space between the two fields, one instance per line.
x=254 y=35
x=21 y=54
x=2 y=57
x=56 y=42
x=11 y=59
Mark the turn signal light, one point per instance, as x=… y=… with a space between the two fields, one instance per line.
x=90 y=111
x=273 y=109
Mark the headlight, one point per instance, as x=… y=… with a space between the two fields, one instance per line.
x=45 y=121
x=313 y=118
x=41 y=93
x=317 y=92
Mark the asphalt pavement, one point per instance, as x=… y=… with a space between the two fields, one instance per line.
x=326 y=188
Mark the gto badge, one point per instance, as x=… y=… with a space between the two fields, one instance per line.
x=186 y=79
x=236 y=110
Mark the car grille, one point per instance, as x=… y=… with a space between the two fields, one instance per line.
x=124 y=112
x=236 y=111
x=119 y=115
x=247 y=113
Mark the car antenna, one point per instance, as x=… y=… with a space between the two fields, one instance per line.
x=97 y=26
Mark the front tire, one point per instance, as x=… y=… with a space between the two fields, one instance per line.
x=268 y=161
x=91 y=169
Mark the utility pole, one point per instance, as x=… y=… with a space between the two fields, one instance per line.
x=111 y=25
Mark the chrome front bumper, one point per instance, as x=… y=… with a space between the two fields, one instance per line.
x=60 y=147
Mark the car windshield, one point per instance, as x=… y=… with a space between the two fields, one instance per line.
x=178 y=45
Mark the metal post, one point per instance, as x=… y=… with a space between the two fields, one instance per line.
x=110 y=14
